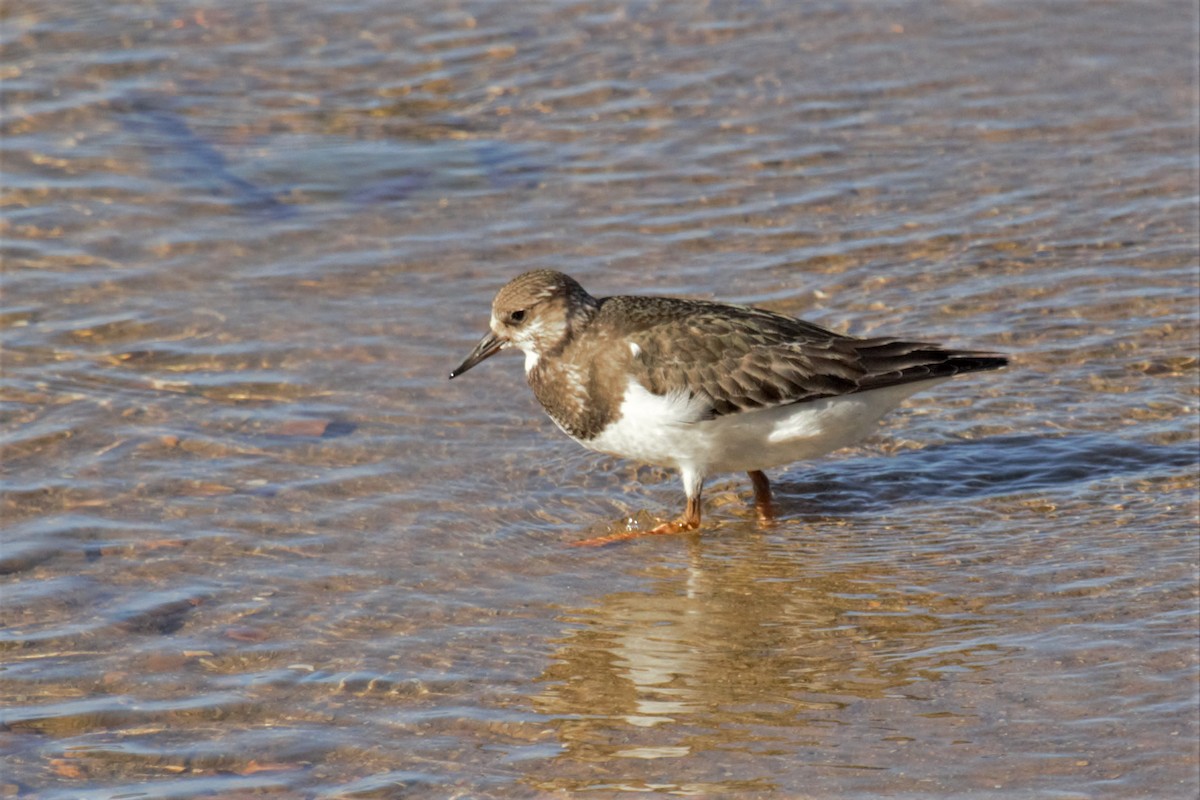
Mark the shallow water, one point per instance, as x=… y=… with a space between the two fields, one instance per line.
x=255 y=544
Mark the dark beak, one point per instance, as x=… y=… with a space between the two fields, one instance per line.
x=488 y=346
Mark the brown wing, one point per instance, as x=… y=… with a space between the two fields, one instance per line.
x=745 y=358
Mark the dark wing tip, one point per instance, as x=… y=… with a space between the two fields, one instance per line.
x=890 y=362
x=969 y=361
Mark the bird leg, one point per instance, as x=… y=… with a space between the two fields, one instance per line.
x=762 y=496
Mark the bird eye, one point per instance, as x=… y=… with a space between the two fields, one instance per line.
x=517 y=316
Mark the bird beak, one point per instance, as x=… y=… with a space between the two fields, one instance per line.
x=488 y=346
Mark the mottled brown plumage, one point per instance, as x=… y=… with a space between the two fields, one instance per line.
x=744 y=358
x=591 y=362
x=737 y=358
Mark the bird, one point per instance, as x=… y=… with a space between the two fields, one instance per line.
x=704 y=387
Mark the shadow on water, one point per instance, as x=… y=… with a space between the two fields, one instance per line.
x=448 y=165
x=406 y=167
x=180 y=155
x=998 y=465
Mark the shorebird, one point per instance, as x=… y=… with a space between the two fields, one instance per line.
x=704 y=387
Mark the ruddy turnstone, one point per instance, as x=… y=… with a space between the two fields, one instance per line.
x=701 y=386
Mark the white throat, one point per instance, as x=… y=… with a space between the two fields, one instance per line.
x=531 y=360
x=528 y=341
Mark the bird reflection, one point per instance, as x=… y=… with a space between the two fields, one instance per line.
x=737 y=649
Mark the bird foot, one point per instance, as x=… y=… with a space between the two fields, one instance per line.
x=681 y=525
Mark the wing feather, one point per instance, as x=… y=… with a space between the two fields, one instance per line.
x=742 y=358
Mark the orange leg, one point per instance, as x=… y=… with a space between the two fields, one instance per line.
x=762 y=496
x=688 y=522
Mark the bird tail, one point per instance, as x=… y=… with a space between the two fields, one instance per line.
x=891 y=361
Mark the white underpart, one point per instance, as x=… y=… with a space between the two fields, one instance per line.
x=668 y=431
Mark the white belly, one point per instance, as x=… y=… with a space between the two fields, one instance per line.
x=666 y=430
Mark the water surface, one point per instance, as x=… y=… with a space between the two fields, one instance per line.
x=256 y=545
